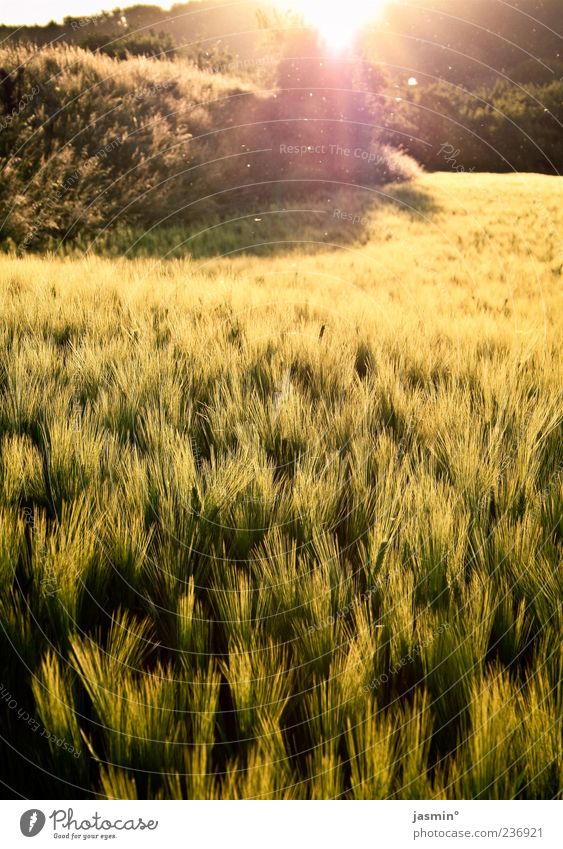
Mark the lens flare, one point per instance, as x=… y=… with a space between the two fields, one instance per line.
x=339 y=22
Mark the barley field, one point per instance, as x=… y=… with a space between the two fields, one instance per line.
x=287 y=524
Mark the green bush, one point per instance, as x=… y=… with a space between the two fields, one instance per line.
x=499 y=127
x=160 y=46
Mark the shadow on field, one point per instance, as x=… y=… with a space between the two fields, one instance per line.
x=411 y=200
x=306 y=224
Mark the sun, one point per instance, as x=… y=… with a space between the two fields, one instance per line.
x=338 y=23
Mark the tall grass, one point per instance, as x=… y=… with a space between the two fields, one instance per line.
x=242 y=557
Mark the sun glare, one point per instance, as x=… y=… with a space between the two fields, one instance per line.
x=339 y=22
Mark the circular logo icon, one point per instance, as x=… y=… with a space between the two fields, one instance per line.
x=32 y=822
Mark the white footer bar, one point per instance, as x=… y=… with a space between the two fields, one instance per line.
x=282 y=825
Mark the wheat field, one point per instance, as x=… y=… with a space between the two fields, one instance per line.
x=289 y=525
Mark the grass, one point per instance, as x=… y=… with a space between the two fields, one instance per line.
x=289 y=525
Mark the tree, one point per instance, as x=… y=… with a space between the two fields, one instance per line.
x=327 y=113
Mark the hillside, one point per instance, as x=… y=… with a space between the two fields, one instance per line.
x=91 y=147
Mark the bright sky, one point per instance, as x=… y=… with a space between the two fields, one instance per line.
x=337 y=22
x=43 y=11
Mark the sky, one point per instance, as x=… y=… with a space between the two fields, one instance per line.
x=43 y=11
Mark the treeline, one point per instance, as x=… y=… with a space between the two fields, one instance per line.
x=489 y=92
x=500 y=127
x=491 y=122
x=469 y=43
x=463 y=43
